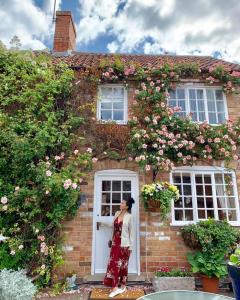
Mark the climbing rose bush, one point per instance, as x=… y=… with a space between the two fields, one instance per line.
x=41 y=164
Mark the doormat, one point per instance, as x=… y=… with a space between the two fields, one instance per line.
x=130 y=293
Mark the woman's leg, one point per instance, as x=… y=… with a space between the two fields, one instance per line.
x=124 y=267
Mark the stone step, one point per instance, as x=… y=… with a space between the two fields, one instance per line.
x=102 y=294
x=99 y=278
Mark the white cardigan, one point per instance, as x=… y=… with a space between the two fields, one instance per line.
x=127 y=229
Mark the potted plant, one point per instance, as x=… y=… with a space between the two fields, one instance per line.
x=212 y=240
x=173 y=279
x=233 y=267
x=211 y=267
x=159 y=195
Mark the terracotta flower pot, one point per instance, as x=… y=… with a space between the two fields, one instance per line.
x=210 y=284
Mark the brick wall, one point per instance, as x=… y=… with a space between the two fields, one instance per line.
x=160 y=244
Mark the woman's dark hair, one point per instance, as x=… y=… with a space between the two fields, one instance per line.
x=129 y=203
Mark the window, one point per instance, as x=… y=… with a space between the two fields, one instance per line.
x=205 y=104
x=113 y=192
x=112 y=105
x=205 y=193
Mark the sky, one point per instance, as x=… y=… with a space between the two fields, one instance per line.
x=182 y=27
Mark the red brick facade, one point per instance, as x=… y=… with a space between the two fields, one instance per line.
x=160 y=244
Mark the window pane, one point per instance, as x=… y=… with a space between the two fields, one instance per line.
x=116 y=185
x=106 y=93
x=177 y=178
x=189 y=215
x=192 y=95
x=180 y=94
x=209 y=202
x=200 y=94
x=207 y=179
x=212 y=118
x=210 y=214
x=118 y=115
x=200 y=202
x=211 y=106
x=118 y=105
x=187 y=190
x=105 y=210
x=198 y=179
x=219 y=94
x=126 y=196
x=202 y=117
x=178 y=215
x=172 y=95
x=232 y=215
x=188 y=202
x=182 y=105
x=116 y=197
x=201 y=214
x=106 y=185
x=199 y=190
x=106 y=105
x=193 y=105
x=210 y=94
x=201 y=105
x=172 y=103
x=106 y=198
x=230 y=202
x=186 y=178
x=221 y=117
x=222 y=214
x=179 y=202
x=127 y=185
x=118 y=92
x=106 y=115
x=220 y=106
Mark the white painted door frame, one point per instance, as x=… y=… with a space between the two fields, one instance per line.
x=116 y=172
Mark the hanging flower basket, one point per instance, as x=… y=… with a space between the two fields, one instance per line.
x=157 y=197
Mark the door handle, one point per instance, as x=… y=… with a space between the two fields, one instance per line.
x=98 y=225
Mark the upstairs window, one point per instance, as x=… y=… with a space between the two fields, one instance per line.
x=112 y=104
x=204 y=104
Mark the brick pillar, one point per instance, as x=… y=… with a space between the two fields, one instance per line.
x=65 y=32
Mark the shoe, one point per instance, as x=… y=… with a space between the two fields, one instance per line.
x=115 y=293
x=123 y=290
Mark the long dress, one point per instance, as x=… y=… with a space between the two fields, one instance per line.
x=117 y=268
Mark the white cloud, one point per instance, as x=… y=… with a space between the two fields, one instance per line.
x=181 y=27
x=30 y=23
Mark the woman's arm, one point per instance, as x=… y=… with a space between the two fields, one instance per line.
x=131 y=234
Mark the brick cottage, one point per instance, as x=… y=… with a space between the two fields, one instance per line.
x=201 y=186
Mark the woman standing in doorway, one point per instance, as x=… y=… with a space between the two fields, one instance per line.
x=122 y=242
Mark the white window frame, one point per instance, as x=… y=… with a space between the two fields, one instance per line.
x=203 y=87
x=125 y=103
x=205 y=170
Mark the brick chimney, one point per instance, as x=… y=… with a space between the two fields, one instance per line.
x=65 y=33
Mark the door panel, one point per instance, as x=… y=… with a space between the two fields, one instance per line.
x=110 y=190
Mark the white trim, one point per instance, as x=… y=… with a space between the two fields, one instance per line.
x=206 y=170
x=195 y=86
x=110 y=174
x=125 y=102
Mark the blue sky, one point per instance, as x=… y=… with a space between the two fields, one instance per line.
x=200 y=27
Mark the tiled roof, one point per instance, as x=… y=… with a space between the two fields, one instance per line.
x=84 y=59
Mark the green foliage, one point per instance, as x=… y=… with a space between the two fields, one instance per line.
x=167 y=272
x=210 y=265
x=213 y=241
x=210 y=236
x=40 y=173
x=163 y=192
x=235 y=258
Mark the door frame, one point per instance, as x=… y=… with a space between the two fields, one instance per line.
x=116 y=172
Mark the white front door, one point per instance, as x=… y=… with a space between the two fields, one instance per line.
x=111 y=186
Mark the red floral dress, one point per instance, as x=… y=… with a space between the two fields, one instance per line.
x=117 y=268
